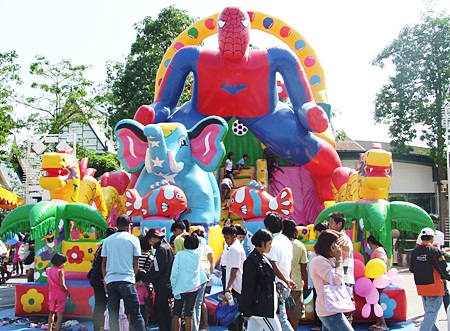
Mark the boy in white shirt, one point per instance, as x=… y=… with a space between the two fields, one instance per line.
x=235 y=266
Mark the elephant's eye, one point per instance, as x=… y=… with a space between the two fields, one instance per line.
x=182 y=141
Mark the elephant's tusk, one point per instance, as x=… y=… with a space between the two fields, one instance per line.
x=174 y=166
x=148 y=166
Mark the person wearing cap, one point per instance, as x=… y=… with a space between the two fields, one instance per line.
x=429 y=268
x=438 y=235
x=159 y=276
x=120 y=263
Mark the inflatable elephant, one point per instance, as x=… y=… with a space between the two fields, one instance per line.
x=185 y=158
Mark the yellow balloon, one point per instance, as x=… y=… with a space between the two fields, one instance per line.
x=375 y=268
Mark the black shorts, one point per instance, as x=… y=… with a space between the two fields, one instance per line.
x=187 y=302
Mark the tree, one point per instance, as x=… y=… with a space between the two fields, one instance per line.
x=63 y=97
x=9 y=76
x=413 y=101
x=106 y=162
x=132 y=84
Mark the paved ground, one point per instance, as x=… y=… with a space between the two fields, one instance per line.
x=414 y=302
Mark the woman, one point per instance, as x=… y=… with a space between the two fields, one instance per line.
x=377 y=251
x=318 y=229
x=96 y=280
x=328 y=262
x=258 y=300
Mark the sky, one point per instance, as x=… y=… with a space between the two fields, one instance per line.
x=346 y=36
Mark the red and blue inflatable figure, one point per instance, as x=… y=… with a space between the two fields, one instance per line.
x=236 y=81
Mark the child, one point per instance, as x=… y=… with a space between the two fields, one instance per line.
x=241 y=163
x=143 y=296
x=186 y=278
x=229 y=169
x=58 y=291
x=18 y=263
x=225 y=186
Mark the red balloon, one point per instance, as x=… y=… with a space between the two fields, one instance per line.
x=359 y=256
x=360 y=269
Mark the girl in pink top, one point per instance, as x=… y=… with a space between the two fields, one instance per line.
x=328 y=262
x=377 y=252
x=16 y=259
x=58 y=291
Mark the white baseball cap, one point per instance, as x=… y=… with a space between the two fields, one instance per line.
x=427 y=232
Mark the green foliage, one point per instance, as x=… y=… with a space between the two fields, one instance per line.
x=62 y=98
x=412 y=102
x=131 y=84
x=9 y=77
x=106 y=162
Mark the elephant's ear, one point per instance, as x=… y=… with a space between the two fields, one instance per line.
x=132 y=145
x=206 y=142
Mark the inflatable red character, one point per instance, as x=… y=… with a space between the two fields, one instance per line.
x=236 y=81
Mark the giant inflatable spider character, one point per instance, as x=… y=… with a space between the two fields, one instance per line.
x=236 y=81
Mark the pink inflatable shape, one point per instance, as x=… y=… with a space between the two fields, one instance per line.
x=359 y=256
x=373 y=296
x=360 y=269
x=382 y=281
x=365 y=311
x=392 y=272
x=363 y=286
x=378 y=310
x=397 y=280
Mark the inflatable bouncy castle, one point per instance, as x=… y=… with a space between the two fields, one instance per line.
x=271 y=98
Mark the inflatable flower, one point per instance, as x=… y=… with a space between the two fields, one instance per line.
x=75 y=255
x=388 y=305
x=32 y=301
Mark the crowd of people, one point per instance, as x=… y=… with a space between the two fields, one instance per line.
x=10 y=255
x=266 y=284
x=149 y=275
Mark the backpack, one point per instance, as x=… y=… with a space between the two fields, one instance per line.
x=24 y=251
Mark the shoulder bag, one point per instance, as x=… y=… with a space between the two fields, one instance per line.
x=338 y=298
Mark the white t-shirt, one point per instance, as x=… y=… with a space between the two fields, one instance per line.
x=227 y=182
x=228 y=165
x=438 y=239
x=281 y=253
x=235 y=259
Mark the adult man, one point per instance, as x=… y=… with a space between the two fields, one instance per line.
x=337 y=223
x=159 y=276
x=429 y=268
x=235 y=258
x=120 y=264
x=281 y=257
x=179 y=231
x=299 y=273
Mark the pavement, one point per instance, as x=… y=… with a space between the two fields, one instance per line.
x=414 y=307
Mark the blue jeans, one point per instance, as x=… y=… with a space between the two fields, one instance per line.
x=336 y=322
x=127 y=292
x=198 y=308
x=282 y=317
x=431 y=306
